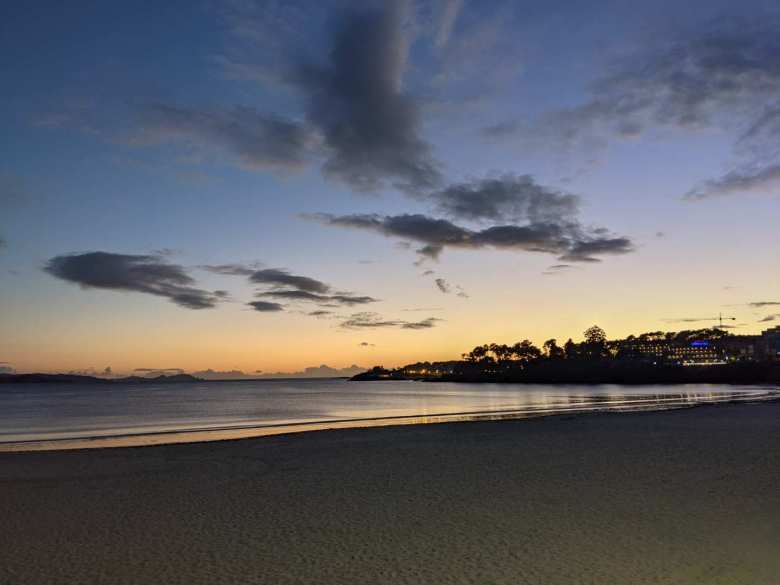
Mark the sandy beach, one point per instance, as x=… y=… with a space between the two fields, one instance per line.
x=677 y=497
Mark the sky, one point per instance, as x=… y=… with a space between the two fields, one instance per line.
x=260 y=187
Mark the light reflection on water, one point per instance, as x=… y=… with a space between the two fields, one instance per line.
x=36 y=412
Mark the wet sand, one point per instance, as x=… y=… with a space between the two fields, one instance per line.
x=676 y=497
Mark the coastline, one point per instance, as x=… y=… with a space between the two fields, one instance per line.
x=253 y=431
x=680 y=496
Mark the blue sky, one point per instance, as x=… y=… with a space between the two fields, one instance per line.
x=633 y=143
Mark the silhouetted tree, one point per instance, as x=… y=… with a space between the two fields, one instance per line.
x=571 y=350
x=525 y=351
x=595 y=345
x=595 y=335
x=502 y=352
x=552 y=351
x=479 y=355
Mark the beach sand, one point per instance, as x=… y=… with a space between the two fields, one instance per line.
x=677 y=497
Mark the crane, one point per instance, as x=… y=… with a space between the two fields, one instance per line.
x=720 y=318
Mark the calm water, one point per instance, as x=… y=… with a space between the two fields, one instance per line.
x=31 y=412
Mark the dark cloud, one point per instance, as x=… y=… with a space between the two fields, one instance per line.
x=770 y=318
x=259 y=141
x=366 y=344
x=369 y=320
x=760 y=304
x=570 y=241
x=319 y=313
x=505 y=198
x=280 y=284
x=346 y=299
x=230 y=269
x=369 y=126
x=137 y=273
x=443 y=285
x=265 y=306
x=588 y=250
x=428 y=323
x=280 y=278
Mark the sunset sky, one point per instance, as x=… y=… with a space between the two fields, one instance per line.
x=268 y=186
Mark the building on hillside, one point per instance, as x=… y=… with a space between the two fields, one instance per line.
x=770 y=344
x=740 y=348
x=696 y=353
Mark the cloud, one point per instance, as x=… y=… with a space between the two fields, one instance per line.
x=759 y=304
x=6 y=368
x=366 y=344
x=588 y=250
x=346 y=299
x=557 y=269
x=570 y=241
x=319 y=313
x=764 y=179
x=279 y=278
x=135 y=273
x=719 y=76
x=3 y=244
x=265 y=306
x=428 y=323
x=259 y=141
x=505 y=198
x=686 y=83
x=370 y=127
x=370 y=320
x=280 y=284
x=322 y=371
x=209 y=374
x=151 y=372
x=698 y=320
x=443 y=285
x=770 y=318
x=230 y=269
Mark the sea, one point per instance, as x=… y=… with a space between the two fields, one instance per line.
x=32 y=413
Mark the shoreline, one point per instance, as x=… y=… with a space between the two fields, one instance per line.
x=662 y=498
x=244 y=432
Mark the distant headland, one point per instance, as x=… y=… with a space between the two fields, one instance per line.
x=79 y=379
x=691 y=356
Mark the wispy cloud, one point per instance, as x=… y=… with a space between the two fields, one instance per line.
x=370 y=320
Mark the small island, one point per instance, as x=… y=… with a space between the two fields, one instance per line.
x=691 y=356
